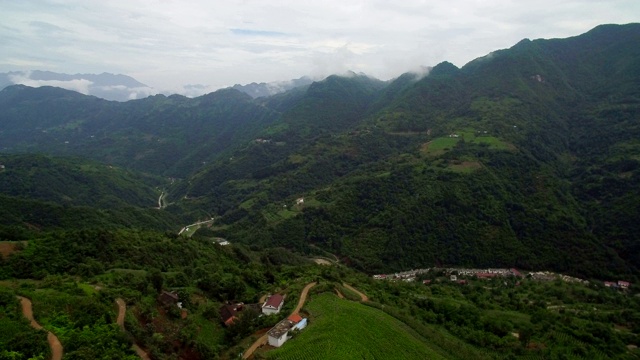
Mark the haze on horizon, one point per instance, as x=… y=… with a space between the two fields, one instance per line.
x=174 y=45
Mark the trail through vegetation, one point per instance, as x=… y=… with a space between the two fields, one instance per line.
x=122 y=311
x=54 y=343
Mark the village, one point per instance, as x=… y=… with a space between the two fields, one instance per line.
x=455 y=275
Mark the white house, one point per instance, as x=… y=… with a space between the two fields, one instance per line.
x=273 y=304
x=279 y=334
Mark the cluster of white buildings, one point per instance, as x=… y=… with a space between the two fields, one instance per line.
x=411 y=275
x=454 y=273
x=622 y=285
x=404 y=275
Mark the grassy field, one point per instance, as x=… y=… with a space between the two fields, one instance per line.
x=341 y=329
x=439 y=146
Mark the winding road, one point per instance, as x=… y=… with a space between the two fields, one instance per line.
x=160 y=201
x=122 y=310
x=195 y=224
x=362 y=296
x=54 y=343
x=263 y=339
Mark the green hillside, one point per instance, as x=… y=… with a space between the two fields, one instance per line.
x=487 y=165
x=77 y=182
x=350 y=330
x=526 y=157
x=161 y=135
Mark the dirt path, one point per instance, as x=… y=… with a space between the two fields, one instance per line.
x=54 y=343
x=122 y=310
x=362 y=296
x=264 y=338
x=303 y=297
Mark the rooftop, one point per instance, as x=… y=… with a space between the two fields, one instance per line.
x=274 y=300
x=281 y=328
x=296 y=318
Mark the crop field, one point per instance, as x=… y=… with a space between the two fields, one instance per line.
x=341 y=329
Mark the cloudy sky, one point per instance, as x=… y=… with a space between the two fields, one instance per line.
x=168 y=44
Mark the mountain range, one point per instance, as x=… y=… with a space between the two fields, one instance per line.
x=106 y=86
x=527 y=157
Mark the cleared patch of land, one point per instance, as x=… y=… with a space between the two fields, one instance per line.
x=438 y=146
x=341 y=329
x=9 y=247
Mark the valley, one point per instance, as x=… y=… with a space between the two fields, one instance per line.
x=510 y=185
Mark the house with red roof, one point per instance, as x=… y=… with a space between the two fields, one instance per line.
x=228 y=313
x=273 y=304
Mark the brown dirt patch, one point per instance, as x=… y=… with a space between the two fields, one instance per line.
x=424 y=148
x=9 y=247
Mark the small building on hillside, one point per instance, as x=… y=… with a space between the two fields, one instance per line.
x=229 y=312
x=624 y=285
x=168 y=298
x=279 y=334
x=273 y=304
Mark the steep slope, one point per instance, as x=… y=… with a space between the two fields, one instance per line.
x=76 y=182
x=43 y=193
x=477 y=166
x=161 y=135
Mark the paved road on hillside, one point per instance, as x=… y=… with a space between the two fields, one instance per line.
x=160 y=201
x=264 y=338
x=54 y=343
x=195 y=224
x=122 y=310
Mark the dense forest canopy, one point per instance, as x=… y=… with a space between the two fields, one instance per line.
x=527 y=157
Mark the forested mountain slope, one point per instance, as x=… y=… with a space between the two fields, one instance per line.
x=487 y=165
x=42 y=193
x=526 y=157
x=161 y=135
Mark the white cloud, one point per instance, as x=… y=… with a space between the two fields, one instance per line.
x=169 y=43
x=78 y=85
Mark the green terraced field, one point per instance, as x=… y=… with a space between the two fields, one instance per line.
x=341 y=329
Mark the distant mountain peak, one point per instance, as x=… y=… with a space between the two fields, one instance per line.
x=256 y=90
x=115 y=87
